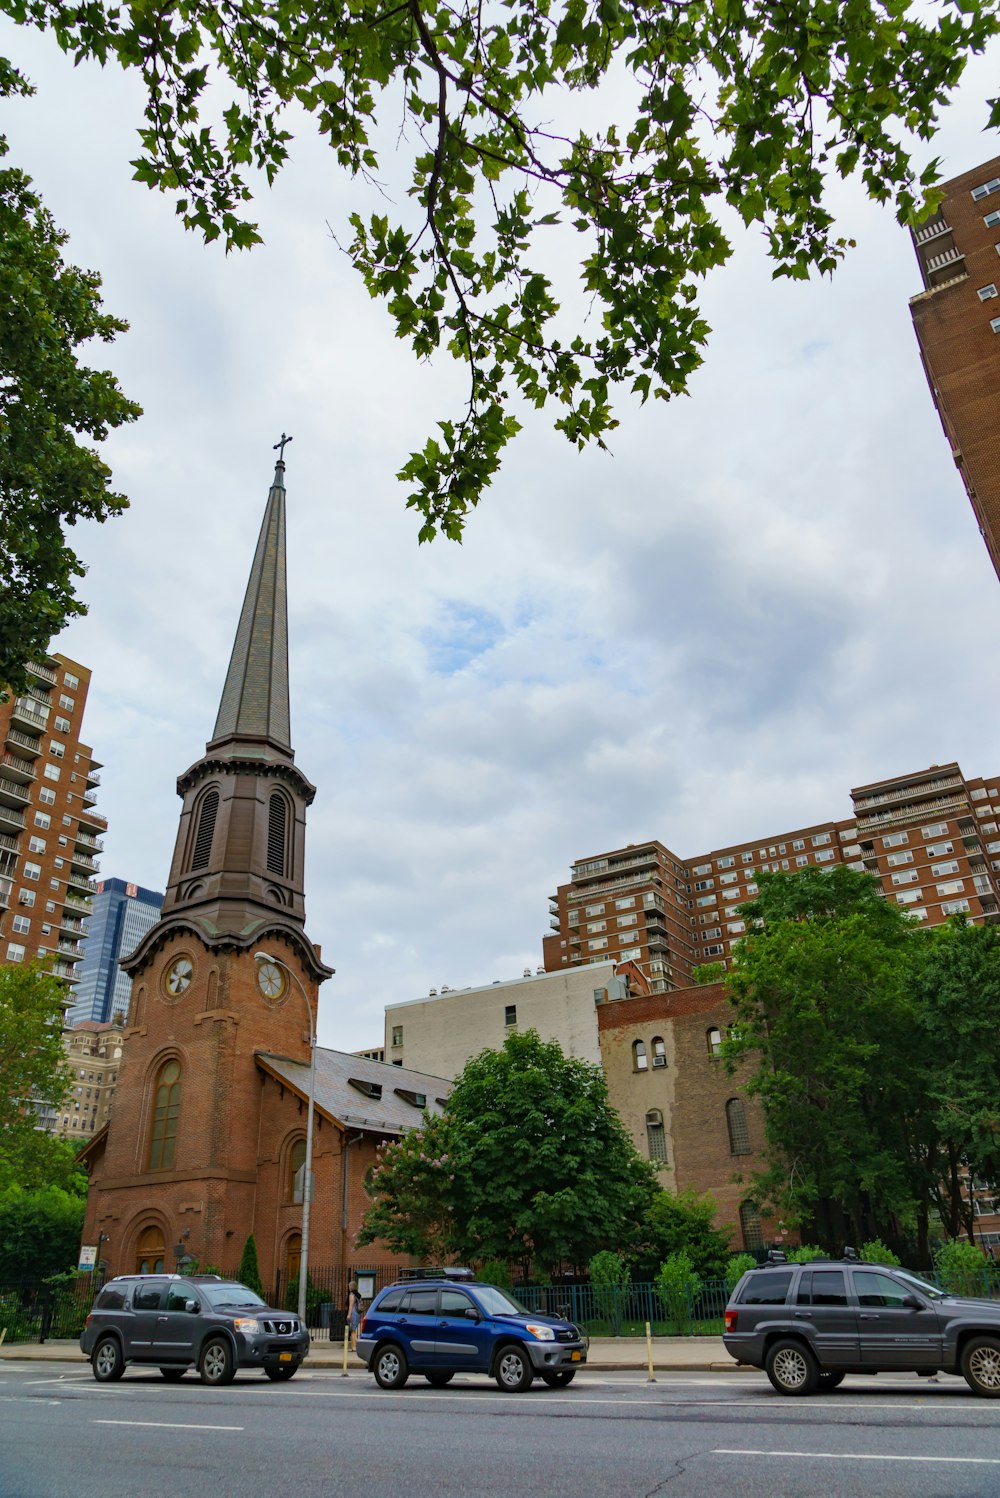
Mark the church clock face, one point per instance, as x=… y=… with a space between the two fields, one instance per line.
x=270 y=980
x=177 y=979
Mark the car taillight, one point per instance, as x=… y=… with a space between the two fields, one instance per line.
x=87 y=1322
x=361 y=1328
x=730 y=1321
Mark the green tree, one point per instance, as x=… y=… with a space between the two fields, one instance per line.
x=33 y=1069
x=821 y=1009
x=39 y=1231
x=684 y=1223
x=249 y=1271
x=678 y=1285
x=51 y=405
x=962 y=1267
x=529 y=1163
x=955 y=988
x=526 y=125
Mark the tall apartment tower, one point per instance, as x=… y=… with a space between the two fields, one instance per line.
x=49 y=829
x=931 y=838
x=957 y=322
x=122 y=914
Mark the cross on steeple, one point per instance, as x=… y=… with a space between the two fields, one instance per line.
x=282 y=445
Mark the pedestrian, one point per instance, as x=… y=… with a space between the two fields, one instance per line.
x=353 y=1313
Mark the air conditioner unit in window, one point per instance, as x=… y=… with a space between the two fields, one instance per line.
x=659 y=1060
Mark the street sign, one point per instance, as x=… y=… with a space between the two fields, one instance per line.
x=88 y=1256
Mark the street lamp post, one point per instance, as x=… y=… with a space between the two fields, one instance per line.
x=262 y=957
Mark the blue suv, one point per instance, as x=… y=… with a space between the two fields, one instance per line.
x=455 y=1325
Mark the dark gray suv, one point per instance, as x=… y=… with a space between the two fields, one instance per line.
x=807 y=1325
x=177 y=1322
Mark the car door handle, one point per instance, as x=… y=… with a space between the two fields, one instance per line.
x=162 y=1320
x=868 y=1316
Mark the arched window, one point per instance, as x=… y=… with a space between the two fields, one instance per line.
x=277 y=823
x=640 y=1060
x=296 y=1169
x=750 y=1227
x=736 y=1122
x=150 y=1252
x=166 y=1106
x=659 y=1051
x=713 y=1039
x=207 y=813
x=656 y=1139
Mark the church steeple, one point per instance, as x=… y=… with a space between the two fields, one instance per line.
x=255 y=697
x=238 y=867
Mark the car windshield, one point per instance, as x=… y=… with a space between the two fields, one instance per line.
x=231 y=1294
x=922 y=1285
x=497 y=1302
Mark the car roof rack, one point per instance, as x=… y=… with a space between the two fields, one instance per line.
x=777 y=1256
x=437 y=1272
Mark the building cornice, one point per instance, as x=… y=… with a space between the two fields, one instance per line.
x=218 y=764
x=184 y=922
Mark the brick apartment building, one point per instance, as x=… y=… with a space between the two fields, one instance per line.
x=94 y=1053
x=957 y=322
x=49 y=828
x=932 y=838
x=207 y=1140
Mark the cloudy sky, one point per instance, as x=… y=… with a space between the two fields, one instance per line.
x=772 y=590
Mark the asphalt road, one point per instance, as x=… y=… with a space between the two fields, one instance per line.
x=608 y=1436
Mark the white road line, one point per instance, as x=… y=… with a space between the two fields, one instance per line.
x=76 y=1378
x=861 y=1456
x=166 y=1425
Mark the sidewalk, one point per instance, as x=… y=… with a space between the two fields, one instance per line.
x=607 y=1354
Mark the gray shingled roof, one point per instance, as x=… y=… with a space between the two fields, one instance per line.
x=353 y=1106
x=255 y=697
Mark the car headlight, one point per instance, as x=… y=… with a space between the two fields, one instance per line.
x=543 y=1333
x=247 y=1326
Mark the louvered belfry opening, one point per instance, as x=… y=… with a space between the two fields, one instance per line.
x=206 y=831
x=277 y=823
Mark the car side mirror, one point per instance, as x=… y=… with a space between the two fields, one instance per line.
x=471 y=1314
x=191 y=1305
x=912 y=1303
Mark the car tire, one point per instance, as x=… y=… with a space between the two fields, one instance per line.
x=282 y=1372
x=438 y=1380
x=106 y=1360
x=217 y=1365
x=173 y=1375
x=981 y=1366
x=560 y=1378
x=512 y=1370
x=792 y=1368
x=389 y=1366
x=830 y=1379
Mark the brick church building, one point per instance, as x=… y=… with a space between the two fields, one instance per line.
x=207 y=1140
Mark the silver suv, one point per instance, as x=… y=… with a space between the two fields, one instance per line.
x=177 y=1322
x=807 y=1325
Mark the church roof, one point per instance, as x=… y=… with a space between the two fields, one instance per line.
x=255 y=697
x=368 y=1095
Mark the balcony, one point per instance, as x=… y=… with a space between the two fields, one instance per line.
x=9 y=844
x=12 y=793
x=16 y=768
x=640 y=861
x=71 y=950
x=933 y=229
x=80 y=884
x=926 y=811
x=23 y=742
x=72 y=924
x=42 y=673
x=6 y=890
x=10 y=820
x=75 y=906
x=92 y=818
x=602 y=883
x=88 y=842
x=908 y=792
x=93 y=778
x=83 y=861
x=30 y=715
x=943 y=260
x=554 y=924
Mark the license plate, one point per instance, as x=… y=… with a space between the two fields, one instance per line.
x=574 y=1357
x=284 y=1357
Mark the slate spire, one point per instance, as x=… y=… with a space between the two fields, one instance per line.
x=254 y=701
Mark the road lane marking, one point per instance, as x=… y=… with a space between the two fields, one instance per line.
x=76 y=1378
x=166 y=1425
x=860 y=1456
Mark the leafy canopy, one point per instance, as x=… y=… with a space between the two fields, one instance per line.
x=525 y=122
x=39 y=1231
x=33 y=1068
x=51 y=405
x=528 y=1164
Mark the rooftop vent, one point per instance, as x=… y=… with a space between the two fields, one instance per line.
x=369 y=1089
x=526 y=973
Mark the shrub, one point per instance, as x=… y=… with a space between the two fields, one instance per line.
x=737 y=1267
x=249 y=1270
x=678 y=1287
x=961 y=1266
x=875 y=1252
x=496 y=1272
x=607 y=1268
x=804 y=1254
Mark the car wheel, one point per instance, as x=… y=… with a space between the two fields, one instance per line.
x=792 y=1368
x=217 y=1365
x=559 y=1379
x=830 y=1380
x=390 y=1367
x=981 y=1366
x=513 y=1371
x=282 y=1372
x=438 y=1380
x=173 y=1375
x=107 y=1361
